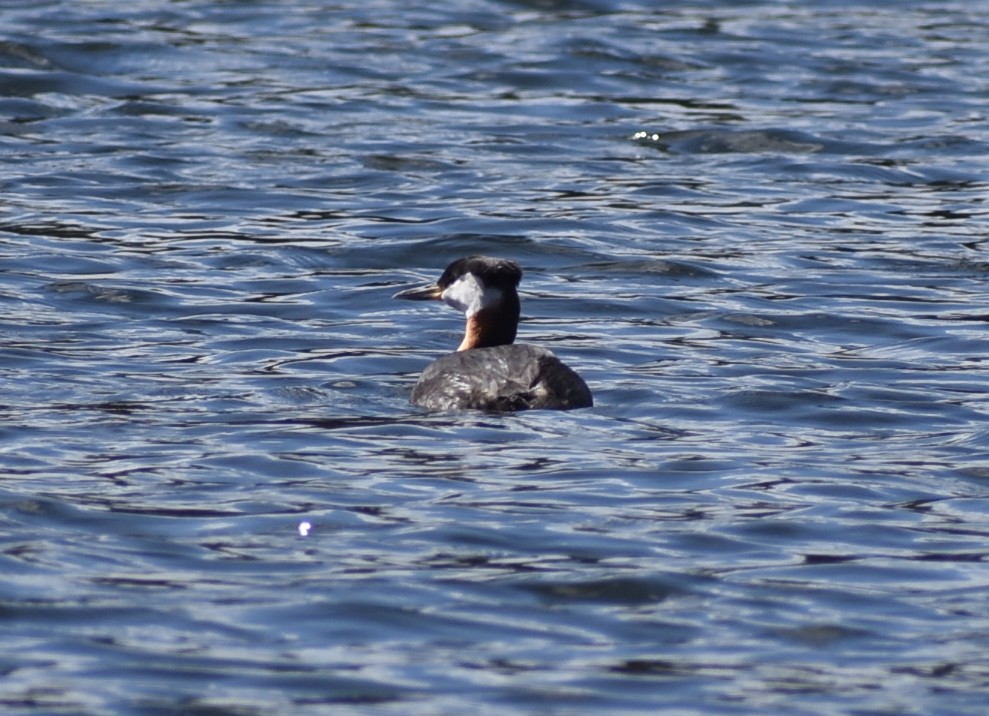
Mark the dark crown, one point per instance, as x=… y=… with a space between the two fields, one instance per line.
x=500 y=273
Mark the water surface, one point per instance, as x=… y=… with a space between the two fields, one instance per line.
x=758 y=230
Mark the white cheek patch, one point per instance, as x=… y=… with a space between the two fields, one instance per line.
x=469 y=295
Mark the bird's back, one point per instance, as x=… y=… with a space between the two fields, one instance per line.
x=510 y=377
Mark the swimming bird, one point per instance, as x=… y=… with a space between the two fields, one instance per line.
x=489 y=371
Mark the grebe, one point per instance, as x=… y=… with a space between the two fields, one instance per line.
x=488 y=371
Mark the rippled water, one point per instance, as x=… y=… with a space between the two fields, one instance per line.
x=758 y=229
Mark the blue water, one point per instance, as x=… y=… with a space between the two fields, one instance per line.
x=758 y=230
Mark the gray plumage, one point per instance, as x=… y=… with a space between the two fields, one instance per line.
x=512 y=377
